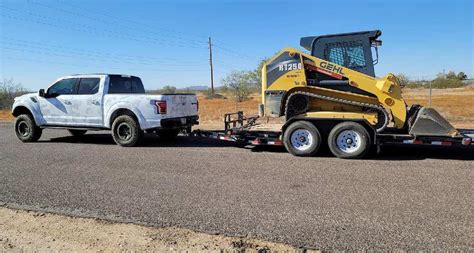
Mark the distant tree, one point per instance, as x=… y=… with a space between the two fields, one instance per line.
x=446 y=81
x=451 y=75
x=239 y=83
x=403 y=79
x=461 y=76
x=256 y=75
x=168 y=89
x=8 y=91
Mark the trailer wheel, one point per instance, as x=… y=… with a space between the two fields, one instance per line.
x=126 y=131
x=349 y=140
x=302 y=138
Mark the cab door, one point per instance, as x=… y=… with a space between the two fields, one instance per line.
x=87 y=103
x=56 y=106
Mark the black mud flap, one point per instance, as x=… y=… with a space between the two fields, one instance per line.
x=429 y=122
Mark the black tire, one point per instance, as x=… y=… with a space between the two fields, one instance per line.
x=354 y=140
x=126 y=131
x=167 y=134
x=77 y=133
x=26 y=130
x=305 y=133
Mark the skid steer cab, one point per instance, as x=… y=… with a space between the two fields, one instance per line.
x=331 y=95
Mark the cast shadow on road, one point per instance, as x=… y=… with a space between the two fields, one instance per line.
x=395 y=152
x=401 y=152
x=150 y=140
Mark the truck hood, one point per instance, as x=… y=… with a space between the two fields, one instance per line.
x=26 y=96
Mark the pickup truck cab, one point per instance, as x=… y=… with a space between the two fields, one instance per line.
x=103 y=102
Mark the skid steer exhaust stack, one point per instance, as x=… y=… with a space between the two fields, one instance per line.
x=429 y=122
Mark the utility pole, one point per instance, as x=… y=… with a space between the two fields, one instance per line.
x=212 y=70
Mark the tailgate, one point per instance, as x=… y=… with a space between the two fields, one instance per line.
x=181 y=105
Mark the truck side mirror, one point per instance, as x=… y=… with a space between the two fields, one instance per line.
x=41 y=93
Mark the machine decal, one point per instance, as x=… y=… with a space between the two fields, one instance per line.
x=289 y=66
x=282 y=65
x=330 y=70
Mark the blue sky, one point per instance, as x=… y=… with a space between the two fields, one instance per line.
x=164 y=42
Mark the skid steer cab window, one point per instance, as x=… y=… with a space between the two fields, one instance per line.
x=125 y=85
x=348 y=54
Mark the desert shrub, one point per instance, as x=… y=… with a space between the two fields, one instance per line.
x=8 y=91
x=239 y=84
x=442 y=82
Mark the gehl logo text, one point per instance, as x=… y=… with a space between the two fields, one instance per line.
x=331 y=67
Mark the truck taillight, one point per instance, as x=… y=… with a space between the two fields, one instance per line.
x=160 y=106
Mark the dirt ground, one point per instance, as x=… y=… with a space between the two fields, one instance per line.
x=34 y=231
x=5 y=115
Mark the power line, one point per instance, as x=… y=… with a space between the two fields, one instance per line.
x=141 y=25
x=197 y=44
x=94 y=30
x=101 y=55
x=101 y=66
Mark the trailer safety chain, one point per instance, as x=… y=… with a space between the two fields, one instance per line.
x=342 y=101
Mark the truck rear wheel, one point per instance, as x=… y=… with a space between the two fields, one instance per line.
x=26 y=130
x=126 y=131
x=302 y=138
x=349 y=140
x=76 y=132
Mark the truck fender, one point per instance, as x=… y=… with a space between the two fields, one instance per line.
x=126 y=106
x=30 y=105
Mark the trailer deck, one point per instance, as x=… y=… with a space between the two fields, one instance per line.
x=247 y=131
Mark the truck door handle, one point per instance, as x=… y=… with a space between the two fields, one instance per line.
x=67 y=102
x=95 y=102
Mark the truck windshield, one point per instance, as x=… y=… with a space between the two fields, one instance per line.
x=125 y=85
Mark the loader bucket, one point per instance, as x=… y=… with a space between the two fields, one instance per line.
x=429 y=122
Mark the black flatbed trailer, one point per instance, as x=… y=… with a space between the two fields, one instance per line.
x=237 y=128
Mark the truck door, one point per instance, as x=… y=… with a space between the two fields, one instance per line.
x=57 y=105
x=87 y=103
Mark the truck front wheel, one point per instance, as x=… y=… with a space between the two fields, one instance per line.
x=349 y=140
x=302 y=138
x=26 y=130
x=126 y=131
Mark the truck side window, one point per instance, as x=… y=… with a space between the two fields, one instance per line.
x=63 y=87
x=125 y=85
x=88 y=86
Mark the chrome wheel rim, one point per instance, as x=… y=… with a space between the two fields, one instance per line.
x=23 y=129
x=301 y=139
x=349 y=141
x=124 y=131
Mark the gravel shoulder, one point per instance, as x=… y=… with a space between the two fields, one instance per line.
x=37 y=231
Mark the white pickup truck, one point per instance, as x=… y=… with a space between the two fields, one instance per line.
x=103 y=102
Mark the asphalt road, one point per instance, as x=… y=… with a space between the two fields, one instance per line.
x=406 y=198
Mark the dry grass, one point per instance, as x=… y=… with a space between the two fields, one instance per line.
x=456 y=105
x=211 y=111
x=6 y=115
